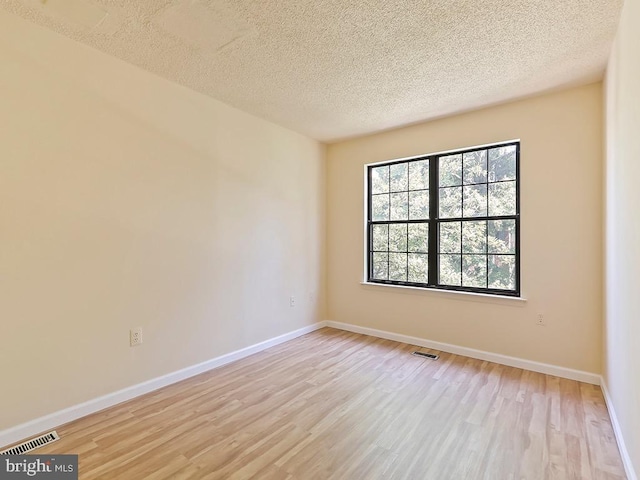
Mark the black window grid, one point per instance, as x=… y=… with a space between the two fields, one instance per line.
x=434 y=221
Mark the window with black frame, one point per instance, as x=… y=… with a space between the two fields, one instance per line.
x=447 y=221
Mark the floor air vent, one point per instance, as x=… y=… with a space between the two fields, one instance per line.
x=426 y=355
x=32 y=444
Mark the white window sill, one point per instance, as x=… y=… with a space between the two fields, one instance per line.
x=451 y=294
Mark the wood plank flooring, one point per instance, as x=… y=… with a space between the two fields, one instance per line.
x=338 y=405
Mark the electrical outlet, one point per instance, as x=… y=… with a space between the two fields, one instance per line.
x=135 y=337
x=292 y=301
x=540 y=320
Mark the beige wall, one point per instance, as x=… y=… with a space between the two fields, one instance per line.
x=622 y=319
x=561 y=208
x=126 y=200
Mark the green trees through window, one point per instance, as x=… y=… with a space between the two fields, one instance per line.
x=446 y=221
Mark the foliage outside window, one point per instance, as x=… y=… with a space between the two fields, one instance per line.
x=447 y=221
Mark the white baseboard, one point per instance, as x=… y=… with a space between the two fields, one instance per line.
x=28 y=429
x=624 y=453
x=33 y=427
x=563 y=372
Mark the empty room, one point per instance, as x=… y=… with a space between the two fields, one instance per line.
x=314 y=240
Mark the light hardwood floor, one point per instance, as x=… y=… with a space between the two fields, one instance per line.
x=338 y=405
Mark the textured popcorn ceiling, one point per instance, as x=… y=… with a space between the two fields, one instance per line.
x=335 y=68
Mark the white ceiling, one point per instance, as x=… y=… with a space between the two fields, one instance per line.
x=333 y=69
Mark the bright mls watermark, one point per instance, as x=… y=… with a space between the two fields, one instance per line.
x=51 y=467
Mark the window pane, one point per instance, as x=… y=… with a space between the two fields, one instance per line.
x=418 y=268
x=399 y=206
x=502 y=236
x=475 y=201
x=450 y=170
x=502 y=198
x=380 y=179
x=380 y=207
x=398 y=238
x=418 y=237
x=398 y=267
x=502 y=163
x=380 y=237
x=470 y=187
x=502 y=272
x=419 y=175
x=450 y=269
x=450 y=237
x=474 y=271
x=399 y=179
x=475 y=167
x=451 y=202
x=419 y=205
x=380 y=266
x=474 y=237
